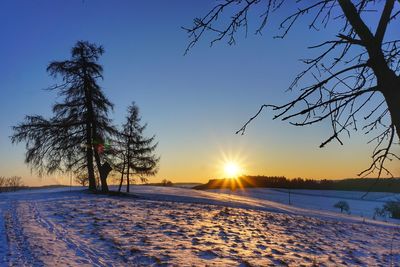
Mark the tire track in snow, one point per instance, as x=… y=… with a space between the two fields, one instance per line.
x=3 y=235
x=20 y=251
x=95 y=257
x=61 y=234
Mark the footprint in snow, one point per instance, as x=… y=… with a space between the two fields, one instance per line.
x=207 y=255
x=195 y=241
x=278 y=252
x=262 y=247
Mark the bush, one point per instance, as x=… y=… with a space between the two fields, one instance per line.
x=343 y=206
x=166 y=182
x=393 y=208
x=380 y=212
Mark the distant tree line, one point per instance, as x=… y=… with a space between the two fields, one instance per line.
x=12 y=183
x=358 y=184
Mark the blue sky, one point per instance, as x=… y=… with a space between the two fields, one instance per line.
x=193 y=103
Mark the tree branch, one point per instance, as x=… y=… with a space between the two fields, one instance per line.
x=355 y=20
x=384 y=21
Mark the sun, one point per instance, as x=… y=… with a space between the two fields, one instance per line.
x=231 y=169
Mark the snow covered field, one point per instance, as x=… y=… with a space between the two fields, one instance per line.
x=184 y=227
x=321 y=199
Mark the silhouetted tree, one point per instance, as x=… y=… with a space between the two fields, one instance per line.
x=82 y=179
x=2 y=183
x=356 y=74
x=12 y=183
x=136 y=152
x=74 y=137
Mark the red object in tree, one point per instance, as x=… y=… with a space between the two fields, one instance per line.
x=100 y=148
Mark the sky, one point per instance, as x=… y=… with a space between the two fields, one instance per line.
x=193 y=103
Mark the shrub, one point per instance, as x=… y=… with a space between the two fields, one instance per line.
x=380 y=212
x=393 y=208
x=343 y=206
x=166 y=182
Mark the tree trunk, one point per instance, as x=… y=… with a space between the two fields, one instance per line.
x=89 y=137
x=104 y=170
x=388 y=82
x=391 y=92
x=122 y=177
x=89 y=158
x=127 y=176
x=91 y=133
x=390 y=88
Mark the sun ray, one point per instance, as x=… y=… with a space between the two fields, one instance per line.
x=239 y=183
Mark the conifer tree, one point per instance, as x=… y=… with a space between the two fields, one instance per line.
x=73 y=138
x=136 y=152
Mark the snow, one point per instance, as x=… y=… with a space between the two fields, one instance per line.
x=322 y=199
x=165 y=226
x=309 y=202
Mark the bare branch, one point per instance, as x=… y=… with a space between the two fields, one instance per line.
x=355 y=20
x=349 y=71
x=384 y=21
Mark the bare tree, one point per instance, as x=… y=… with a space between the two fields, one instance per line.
x=15 y=182
x=12 y=183
x=82 y=179
x=356 y=72
x=2 y=183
